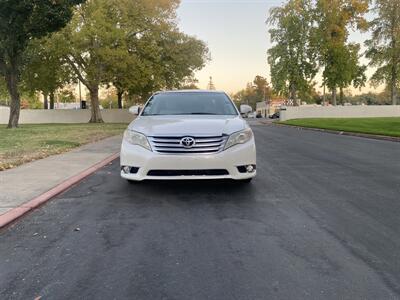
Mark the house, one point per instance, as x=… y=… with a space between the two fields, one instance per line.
x=271 y=106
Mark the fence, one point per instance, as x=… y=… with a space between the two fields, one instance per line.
x=359 y=111
x=29 y=116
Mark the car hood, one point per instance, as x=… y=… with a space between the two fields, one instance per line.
x=187 y=125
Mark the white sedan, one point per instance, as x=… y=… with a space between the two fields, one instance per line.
x=188 y=135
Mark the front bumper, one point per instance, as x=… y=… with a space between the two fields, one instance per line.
x=230 y=159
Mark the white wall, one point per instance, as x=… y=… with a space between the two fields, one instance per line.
x=359 y=111
x=123 y=116
x=36 y=116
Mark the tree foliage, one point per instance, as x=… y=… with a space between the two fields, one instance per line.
x=44 y=70
x=292 y=59
x=384 y=46
x=339 y=60
x=20 y=22
x=370 y=98
x=256 y=91
x=89 y=44
x=133 y=45
x=310 y=35
x=171 y=63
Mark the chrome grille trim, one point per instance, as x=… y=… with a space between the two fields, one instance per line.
x=172 y=144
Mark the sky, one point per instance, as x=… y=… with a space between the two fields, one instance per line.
x=237 y=36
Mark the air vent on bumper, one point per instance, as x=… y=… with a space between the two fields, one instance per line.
x=209 y=172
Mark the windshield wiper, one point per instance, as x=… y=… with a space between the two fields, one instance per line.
x=182 y=114
x=202 y=113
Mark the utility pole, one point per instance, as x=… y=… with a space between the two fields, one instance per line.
x=211 y=85
x=80 y=95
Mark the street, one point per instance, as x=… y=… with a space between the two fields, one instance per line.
x=320 y=221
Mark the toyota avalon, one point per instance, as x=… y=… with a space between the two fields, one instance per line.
x=188 y=135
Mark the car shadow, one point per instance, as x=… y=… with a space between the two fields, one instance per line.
x=192 y=190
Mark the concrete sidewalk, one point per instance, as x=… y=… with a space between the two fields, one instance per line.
x=19 y=185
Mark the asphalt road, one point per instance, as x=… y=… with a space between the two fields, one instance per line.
x=321 y=221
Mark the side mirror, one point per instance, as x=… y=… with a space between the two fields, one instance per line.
x=134 y=110
x=245 y=109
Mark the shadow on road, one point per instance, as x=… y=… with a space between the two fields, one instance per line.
x=107 y=186
x=193 y=190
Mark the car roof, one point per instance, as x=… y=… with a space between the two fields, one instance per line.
x=189 y=91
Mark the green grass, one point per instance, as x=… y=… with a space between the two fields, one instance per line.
x=376 y=126
x=31 y=142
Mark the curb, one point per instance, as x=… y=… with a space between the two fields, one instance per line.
x=18 y=212
x=347 y=133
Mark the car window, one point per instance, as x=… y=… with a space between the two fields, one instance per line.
x=189 y=104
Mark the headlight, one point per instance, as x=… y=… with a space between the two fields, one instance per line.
x=240 y=137
x=136 y=138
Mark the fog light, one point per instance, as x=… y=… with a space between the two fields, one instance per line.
x=250 y=169
x=126 y=170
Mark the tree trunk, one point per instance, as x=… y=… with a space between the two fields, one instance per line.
x=293 y=94
x=45 y=101
x=334 y=96
x=94 y=105
x=341 y=95
x=52 y=100
x=395 y=60
x=393 y=87
x=394 y=94
x=120 y=94
x=12 y=79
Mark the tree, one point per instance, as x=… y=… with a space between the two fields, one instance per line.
x=20 y=22
x=88 y=44
x=180 y=56
x=167 y=59
x=262 y=89
x=45 y=71
x=339 y=59
x=355 y=72
x=342 y=69
x=383 y=49
x=256 y=91
x=133 y=45
x=292 y=59
x=371 y=98
x=133 y=69
x=210 y=85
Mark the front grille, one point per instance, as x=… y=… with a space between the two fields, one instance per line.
x=210 y=172
x=172 y=144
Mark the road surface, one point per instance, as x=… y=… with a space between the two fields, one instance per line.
x=321 y=221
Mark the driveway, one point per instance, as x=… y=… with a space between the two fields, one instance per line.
x=321 y=221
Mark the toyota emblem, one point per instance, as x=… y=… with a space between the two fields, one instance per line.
x=188 y=142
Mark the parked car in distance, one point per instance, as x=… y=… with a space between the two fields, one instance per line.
x=245 y=110
x=188 y=135
x=275 y=115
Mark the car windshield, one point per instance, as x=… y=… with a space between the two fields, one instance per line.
x=195 y=103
